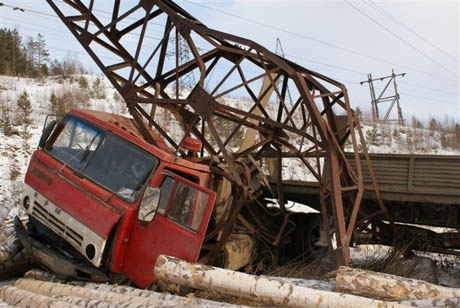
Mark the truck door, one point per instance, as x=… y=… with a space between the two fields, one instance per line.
x=177 y=228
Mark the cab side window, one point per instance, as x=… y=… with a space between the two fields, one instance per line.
x=187 y=206
x=166 y=189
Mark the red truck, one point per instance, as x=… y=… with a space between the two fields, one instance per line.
x=106 y=195
x=103 y=203
x=102 y=200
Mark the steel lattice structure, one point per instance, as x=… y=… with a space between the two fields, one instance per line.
x=125 y=41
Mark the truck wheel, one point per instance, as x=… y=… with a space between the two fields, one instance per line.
x=16 y=265
x=308 y=236
x=14 y=259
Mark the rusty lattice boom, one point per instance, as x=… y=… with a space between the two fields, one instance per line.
x=137 y=46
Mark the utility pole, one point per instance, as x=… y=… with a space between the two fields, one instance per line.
x=188 y=81
x=184 y=55
x=280 y=52
x=393 y=99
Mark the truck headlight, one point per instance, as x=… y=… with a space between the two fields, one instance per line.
x=90 y=251
x=26 y=202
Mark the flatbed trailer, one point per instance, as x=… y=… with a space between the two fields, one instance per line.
x=418 y=189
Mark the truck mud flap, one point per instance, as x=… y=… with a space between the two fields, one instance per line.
x=55 y=261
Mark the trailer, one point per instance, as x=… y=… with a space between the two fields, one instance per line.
x=422 y=190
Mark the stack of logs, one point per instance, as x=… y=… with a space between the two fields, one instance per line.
x=351 y=288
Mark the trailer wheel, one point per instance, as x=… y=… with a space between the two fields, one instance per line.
x=308 y=236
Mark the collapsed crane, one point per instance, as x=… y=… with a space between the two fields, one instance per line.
x=145 y=69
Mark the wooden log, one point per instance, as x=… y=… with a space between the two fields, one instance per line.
x=56 y=289
x=8 y=243
x=95 y=303
x=263 y=289
x=434 y=303
x=20 y=298
x=37 y=274
x=325 y=285
x=4 y=305
x=388 y=287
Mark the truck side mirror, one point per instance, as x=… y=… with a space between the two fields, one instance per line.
x=46 y=133
x=149 y=204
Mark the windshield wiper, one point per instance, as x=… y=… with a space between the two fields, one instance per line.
x=86 y=153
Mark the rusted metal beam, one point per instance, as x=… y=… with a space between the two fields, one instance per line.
x=229 y=66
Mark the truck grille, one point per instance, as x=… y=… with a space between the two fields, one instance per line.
x=78 y=235
x=42 y=214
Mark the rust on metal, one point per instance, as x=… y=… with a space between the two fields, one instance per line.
x=149 y=73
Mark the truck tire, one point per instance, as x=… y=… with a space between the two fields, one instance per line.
x=14 y=260
x=15 y=266
x=307 y=236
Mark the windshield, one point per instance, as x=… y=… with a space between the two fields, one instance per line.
x=102 y=157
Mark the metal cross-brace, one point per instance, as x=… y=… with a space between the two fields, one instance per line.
x=229 y=66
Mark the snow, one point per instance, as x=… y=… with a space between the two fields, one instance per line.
x=13 y=152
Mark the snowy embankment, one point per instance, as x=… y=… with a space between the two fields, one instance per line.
x=14 y=155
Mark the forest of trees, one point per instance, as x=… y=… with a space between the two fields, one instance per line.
x=18 y=58
x=31 y=58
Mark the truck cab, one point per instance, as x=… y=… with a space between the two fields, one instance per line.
x=103 y=201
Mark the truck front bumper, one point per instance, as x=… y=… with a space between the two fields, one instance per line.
x=55 y=261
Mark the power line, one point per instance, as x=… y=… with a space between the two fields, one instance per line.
x=424 y=87
x=309 y=38
x=110 y=14
x=400 y=38
x=262 y=24
x=73 y=51
x=25 y=10
x=379 y=8
x=22 y=9
x=33 y=29
x=287 y=55
x=28 y=10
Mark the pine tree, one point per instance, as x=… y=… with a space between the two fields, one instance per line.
x=98 y=90
x=416 y=123
x=25 y=109
x=25 y=136
x=6 y=125
x=409 y=141
x=444 y=141
x=30 y=49
x=433 y=124
x=13 y=57
x=83 y=83
x=41 y=50
x=5 y=122
x=57 y=106
x=374 y=137
x=457 y=135
x=56 y=68
x=359 y=113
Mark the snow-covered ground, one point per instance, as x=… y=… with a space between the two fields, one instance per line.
x=380 y=138
x=14 y=155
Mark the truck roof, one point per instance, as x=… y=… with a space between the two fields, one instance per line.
x=127 y=128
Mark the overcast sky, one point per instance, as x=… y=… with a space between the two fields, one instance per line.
x=343 y=39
